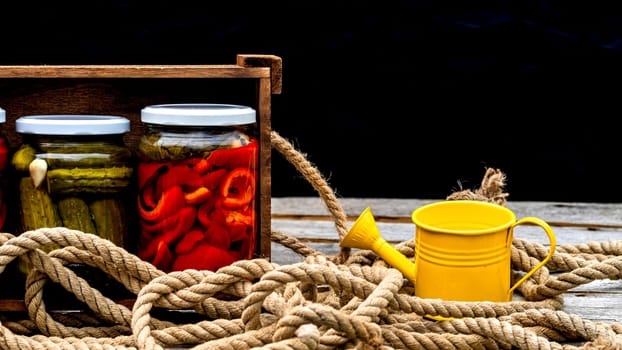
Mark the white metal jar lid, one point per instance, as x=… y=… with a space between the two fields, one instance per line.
x=198 y=114
x=2 y=116
x=72 y=124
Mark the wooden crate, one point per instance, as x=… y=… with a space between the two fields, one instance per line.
x=125 y=89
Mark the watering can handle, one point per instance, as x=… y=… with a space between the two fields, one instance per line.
x=549 y=231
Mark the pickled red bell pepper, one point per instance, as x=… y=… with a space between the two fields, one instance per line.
x=185 y=220
x=204 y=257
x=178 y=175
x=214 y=178
x=236 y=222
x=203 y=214
x=198 y=196
x=201 y=166
x=171 y=201
x=147 y=172
x=157 y=227
x=163 y=257
x=198 y=206
x=237 y=157
x=4 y=158
x=4 y=154
x=217 y=234
x=238 y=188
x=146 y=197
x=189 y=241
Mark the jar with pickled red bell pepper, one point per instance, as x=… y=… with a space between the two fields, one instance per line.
x=4 y=159
x=75 y=171
x=197 y=185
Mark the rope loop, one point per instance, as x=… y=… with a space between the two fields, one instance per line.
x=353 y=300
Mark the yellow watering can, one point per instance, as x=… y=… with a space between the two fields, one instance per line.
x=462 y=249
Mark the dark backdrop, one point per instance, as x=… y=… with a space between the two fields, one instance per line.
x=388 y=99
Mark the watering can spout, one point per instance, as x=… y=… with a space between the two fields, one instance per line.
x=364 y=234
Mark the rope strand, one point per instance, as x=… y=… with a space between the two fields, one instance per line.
x=354 y=300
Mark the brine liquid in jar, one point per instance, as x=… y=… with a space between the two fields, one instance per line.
x=74 y=171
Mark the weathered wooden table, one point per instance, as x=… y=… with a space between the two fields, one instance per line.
x=589 y=225
x=308 y=219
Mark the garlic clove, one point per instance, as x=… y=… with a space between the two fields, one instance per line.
x=38 y=169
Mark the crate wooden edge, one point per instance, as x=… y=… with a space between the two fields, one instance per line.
x=266 y=69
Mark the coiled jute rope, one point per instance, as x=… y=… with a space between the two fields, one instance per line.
x=349 y=301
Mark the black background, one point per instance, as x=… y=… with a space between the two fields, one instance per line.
x=409 y=99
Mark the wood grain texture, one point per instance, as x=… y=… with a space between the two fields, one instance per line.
x=123 y=90
x=133 y=71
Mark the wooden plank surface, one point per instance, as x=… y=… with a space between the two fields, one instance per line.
x=308 y=219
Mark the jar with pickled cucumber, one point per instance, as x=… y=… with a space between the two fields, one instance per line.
x=75 y=171
x=197 y=185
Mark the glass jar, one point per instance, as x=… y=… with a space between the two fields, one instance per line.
x=197 y=185
x=75 y=171
x=4 y=156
